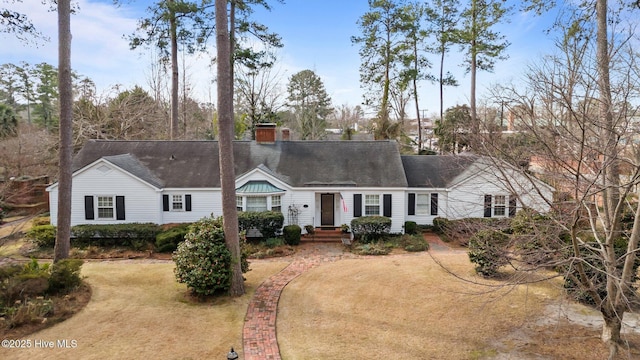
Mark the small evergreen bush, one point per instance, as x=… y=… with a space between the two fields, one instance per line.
x=43 y=236
x=65 y=276
x=413 y=243
x=292 y=234
x=273 y=242
x=203 y=261
x=410 y=227
x=268 y=223
x=167 y=241
x=369 y=229
x=488 y=251
x=440 y=225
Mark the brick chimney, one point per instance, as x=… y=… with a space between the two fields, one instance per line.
x=266 y=133
x=286 y=134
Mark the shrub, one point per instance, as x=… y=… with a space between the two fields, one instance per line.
x=594 y=269
x=413 y=243
x=42 y=220
x=273 y=242
x=372 y=249
x=292 y=234
x=135 y=235
x=202 y=259
x=310 y=229
x=28 y=311
x=538 y=239
x=440 y=225
x=44 y=236
x=410 y=227
x=268 y=223
x=167 y=241
x=488 y=251
x=370 y=228
x=31 y=280
x=65 y=276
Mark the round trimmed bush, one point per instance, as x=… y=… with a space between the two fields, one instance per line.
x=410 y=227
x=203 y=261
x=292 y=234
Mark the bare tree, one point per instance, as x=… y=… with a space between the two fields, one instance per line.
x=260 y=96
x=577 y=106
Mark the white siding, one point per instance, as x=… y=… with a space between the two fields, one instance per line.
x=398 y=205
x=204 y=203
x=467 y=198
x=426 y=219
x=140 y=198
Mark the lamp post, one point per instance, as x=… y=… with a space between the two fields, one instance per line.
x=232 y=355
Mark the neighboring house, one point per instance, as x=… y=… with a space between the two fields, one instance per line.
x=319 y=183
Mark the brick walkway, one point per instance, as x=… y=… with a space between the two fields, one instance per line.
x=259 y=333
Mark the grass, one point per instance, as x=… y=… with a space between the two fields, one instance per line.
x=138 y=311
x=408 y=307
x=382 y=307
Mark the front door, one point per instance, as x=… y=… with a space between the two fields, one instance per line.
x=326 y=209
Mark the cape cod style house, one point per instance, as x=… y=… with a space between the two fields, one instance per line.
x=319 y=183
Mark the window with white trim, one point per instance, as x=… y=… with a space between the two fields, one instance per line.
x=371 y=205
x=239 y=203
x=177 y=203
x=106 y=208
x=499 y=205
x=256 y=203
x=423 y=204
x=259 y=203
x=276 y=203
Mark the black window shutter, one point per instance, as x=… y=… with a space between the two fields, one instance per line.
x=120 y=208
x=386 y=202
x=487 y=206
x=187 y=201
x=165 y=202
x=412 y=204
x=357 y=205
x=88 y=208
x=434 y=204
x=512 y=205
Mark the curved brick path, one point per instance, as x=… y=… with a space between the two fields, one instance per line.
x=259 y=332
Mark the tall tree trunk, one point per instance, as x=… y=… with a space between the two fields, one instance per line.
x=62 y=244
x=613 y=309
x=232 y=48
x=225 y=144
x=173 y=129
x=442 y=53
x=475 y=127
x=415 y=95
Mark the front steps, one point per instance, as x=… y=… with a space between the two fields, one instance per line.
x=325 y=235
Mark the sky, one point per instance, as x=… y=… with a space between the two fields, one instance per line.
x=316 y=36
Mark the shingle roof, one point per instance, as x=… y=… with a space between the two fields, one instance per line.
x=130 y=164
x=194 y=164
x=435 y=171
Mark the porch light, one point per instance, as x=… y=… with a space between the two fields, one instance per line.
x=232 y=355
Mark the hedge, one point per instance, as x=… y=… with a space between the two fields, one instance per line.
x=368 y=229
x=268 y=223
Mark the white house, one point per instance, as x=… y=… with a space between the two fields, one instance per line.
x=319 y=183
x=468 y=186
